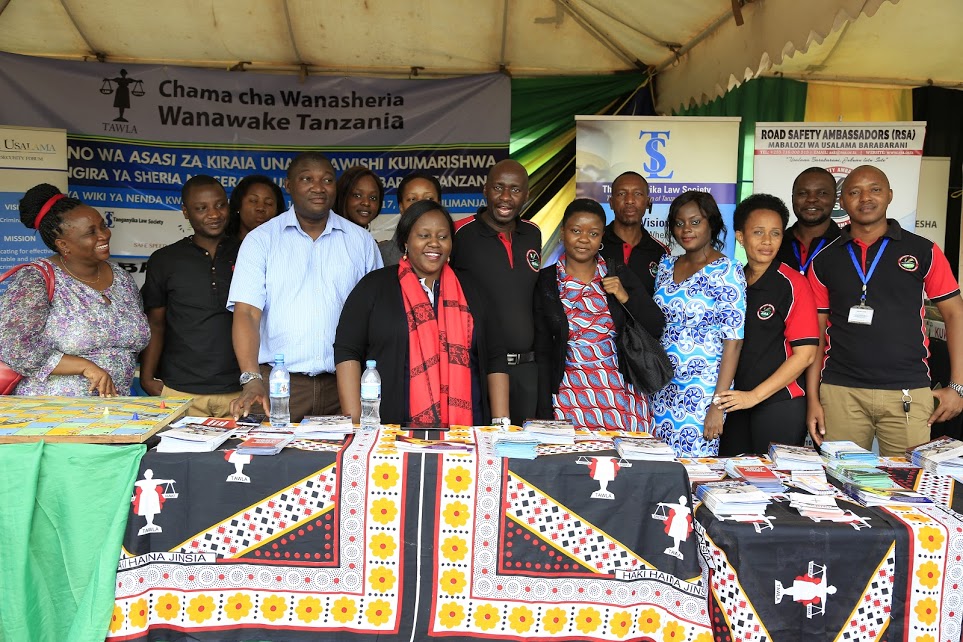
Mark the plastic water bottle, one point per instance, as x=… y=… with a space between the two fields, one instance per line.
x=280 y=392
x=370 y=396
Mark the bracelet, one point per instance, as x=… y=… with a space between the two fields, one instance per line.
x=955 y=387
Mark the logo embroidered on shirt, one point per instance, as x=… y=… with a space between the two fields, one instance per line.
x=533 y=259
x=766 y=311
x=653 y=268
x=908 y=262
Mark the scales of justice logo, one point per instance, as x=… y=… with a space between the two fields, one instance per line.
x=122 y=87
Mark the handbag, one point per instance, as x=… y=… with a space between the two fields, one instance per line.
x=646 y=362
x=9 y=378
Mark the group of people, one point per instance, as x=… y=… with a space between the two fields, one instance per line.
x=820 y=331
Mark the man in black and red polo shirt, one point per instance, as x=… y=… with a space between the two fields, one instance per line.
x=813 y=199
x=869 y=286
x=502 y=252
x=625 y=240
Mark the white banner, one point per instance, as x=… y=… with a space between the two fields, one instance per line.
x=783 y=150
x=931 y=203
x=673 y=154
x=137 y=132
x=28 y=156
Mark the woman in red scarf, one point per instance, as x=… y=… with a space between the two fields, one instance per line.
x=440 y=355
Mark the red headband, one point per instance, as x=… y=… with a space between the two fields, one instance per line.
x=46 y=208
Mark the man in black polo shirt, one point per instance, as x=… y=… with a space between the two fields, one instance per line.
x=625 y=240
x=869 y=286
x=185 y=295
x=813 y=199
x=502 y=252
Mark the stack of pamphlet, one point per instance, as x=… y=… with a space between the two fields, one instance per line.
x=515 y=443
x=703 y=470
x=415 y=445
x=815 y=506
x=869 y=477
x=746 y=460
x=644 y=449
x=333 y=427
x=943 y=456
x=196 y=435
x=762 y=477
x=894 y=496
x=550 y=432
x=788 y=457
x=264 y=442
x=812 y=481
x=732 y=497
x=846 y=453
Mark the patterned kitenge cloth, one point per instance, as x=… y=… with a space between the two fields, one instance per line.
x=593 y=394
x=700 y=313
x=35 y=334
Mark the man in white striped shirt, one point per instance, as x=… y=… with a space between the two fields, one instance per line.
x=291 y=278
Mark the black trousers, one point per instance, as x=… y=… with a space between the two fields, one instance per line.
x=750 y=431
x=522 y=391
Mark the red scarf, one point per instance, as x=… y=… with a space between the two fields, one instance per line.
x=439 y=362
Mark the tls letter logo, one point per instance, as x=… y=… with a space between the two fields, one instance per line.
x=653 y=147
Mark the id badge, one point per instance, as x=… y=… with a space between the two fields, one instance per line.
x=861 y=314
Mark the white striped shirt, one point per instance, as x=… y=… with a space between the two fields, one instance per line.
x=300 y=286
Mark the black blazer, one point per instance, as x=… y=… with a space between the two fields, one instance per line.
x=373 y=326
x=551 y=328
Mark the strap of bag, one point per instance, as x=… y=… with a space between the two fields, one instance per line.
x=45 y=268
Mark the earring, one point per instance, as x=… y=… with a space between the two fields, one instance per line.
x=601 y=246
x=406 y=253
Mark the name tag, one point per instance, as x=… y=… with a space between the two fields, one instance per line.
x=861 y=314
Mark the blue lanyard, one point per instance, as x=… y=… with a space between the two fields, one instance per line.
x=805 y=266
x=865 y=277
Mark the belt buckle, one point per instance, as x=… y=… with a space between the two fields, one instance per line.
x=513 y=358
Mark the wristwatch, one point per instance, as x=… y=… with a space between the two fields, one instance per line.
x=502 y=422
x=955 y=387
x=247 y=377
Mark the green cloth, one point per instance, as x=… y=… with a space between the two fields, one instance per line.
x=63 y=515
x=545 y=108
x=759 y=100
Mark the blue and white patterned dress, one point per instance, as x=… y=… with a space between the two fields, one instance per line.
x=593 y=393
x=700 y=313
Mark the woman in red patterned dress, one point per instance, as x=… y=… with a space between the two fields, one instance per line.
x=579 y=309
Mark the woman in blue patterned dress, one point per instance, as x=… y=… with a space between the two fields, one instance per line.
x=703 y=296
x=578 y=313
x=86 y=339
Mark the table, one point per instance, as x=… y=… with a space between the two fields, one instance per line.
x=364 y=541
x=895 y=573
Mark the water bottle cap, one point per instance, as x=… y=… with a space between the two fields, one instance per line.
x=370 y=363
x=279 y=358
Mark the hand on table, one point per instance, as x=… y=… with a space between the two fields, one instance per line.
x=253 y=392
x=100 y=381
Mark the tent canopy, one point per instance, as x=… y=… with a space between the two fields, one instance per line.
x=699 y=48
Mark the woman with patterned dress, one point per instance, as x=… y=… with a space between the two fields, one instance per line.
x=86 y=339
x=703 y=296
x=578 y=313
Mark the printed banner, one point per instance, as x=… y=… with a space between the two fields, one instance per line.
x=674 y=155
x=931 y=201
x=783 y=150
x=137 y=132
x=27 y=156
